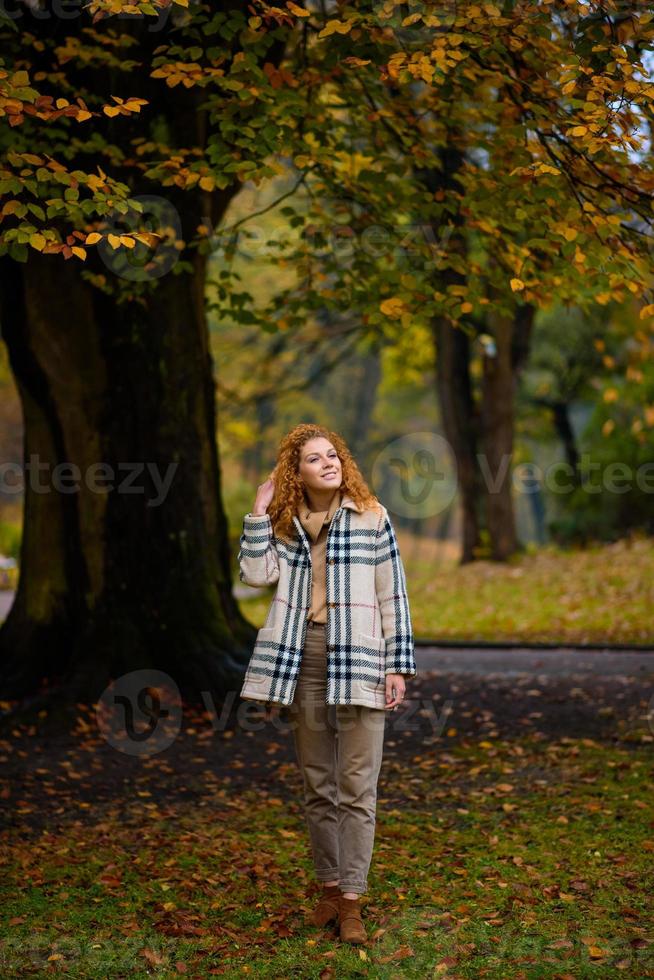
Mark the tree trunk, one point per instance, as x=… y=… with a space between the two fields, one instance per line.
x=137 y=575
x=459 y=415
x=565 y=432
x=459 y=419
x=498 y=394
x=368 y=373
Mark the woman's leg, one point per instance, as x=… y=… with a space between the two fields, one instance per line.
x=314 y=736
x=360 y=744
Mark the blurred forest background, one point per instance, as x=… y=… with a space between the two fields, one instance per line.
x=585 y=396
x=406 y=223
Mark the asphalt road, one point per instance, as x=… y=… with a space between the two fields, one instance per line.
x=561 y=662
x=6 y=599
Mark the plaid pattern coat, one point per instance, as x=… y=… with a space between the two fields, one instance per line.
x=368 y=630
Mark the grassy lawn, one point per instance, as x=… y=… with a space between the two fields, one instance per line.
x=510 y=858
x=602 y=594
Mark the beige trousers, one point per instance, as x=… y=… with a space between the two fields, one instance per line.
x=339 y=750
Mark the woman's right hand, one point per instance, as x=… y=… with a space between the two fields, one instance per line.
x=265 y=493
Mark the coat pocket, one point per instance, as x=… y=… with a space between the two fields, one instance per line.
x=373 y=650
x=260 y=659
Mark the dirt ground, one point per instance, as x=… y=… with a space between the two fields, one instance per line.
x=48 y=779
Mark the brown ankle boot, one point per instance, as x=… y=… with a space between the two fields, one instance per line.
x=327 y=908
x=351 y=927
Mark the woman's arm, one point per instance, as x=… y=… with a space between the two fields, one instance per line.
x=390 y=584
x=257 y=557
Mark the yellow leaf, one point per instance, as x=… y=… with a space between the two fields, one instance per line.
x=207 y=183
x=611 y=395
x=570 y=234
x=148 y=238
x=114 y=240
x=608 y=427
x=647 y=311
x=93 y=238
x=336 y=27
x=111 y=110
x=466 y=307
x=62 y=103
x=517 y=285
x=578 y=131
x=37 y=241
x=79 y=251
x=298 y=11
x=392 y=307
x=20 y=78
x=127 y=241
x=83 y=115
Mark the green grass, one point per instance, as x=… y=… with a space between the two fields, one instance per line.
x=523 y=859
x=602 y=594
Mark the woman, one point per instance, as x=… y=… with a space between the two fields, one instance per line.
x=335 y=648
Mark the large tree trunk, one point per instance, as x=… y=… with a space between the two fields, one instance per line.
x=460 y=424
x=459 y=416
x=116 y=581
x=500 y=373
x=119 y=580
x=498 y=393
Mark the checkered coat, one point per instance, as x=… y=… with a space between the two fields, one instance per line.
x=368 y=631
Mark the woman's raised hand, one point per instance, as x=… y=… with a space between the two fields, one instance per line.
x=265 y=493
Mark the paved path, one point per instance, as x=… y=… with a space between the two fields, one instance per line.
x=6 y=599
x=553 y=663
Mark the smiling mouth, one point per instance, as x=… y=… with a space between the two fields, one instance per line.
x=332 y=473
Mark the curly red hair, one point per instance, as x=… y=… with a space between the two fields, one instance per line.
x=289 y=493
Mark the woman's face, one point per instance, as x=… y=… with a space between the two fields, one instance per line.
x=320 y=467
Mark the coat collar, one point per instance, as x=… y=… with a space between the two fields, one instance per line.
x=346 y=502
x=313 y=522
